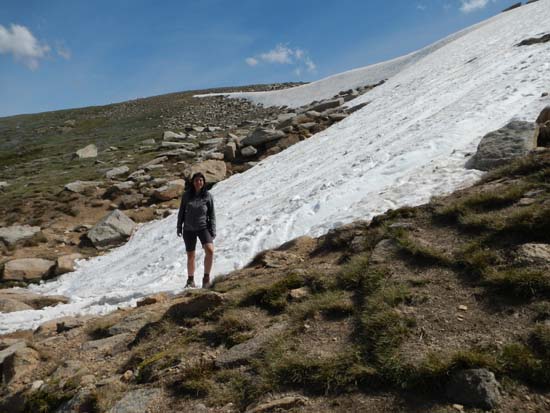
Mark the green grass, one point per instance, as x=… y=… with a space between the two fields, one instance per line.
x=420 y=251
x=232 y=329
x=274 y=297
x=330 y=304
x=519 y=282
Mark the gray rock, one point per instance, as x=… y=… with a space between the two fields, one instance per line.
x=89 y=151
x=211 y=142
x=195 y=305
x=173 y=135
x=137 y=401
x=110 y=345
x=82 y=401
x=261 y=136
x=168 y=144
x=248 y=151
x=27 y=269
x=82 y=186
x=328 y=104
x=3 y=185
x=132 y=323
x=532 y=253
x=383 y=250
x=16 y=233
x=242 y=353
x=113 y=173
x=307 y=126
x=118 y=189
x=179 y=153
x=218 y=156
x=284 y=120
x=499 y=147
x=284 y=403
x=66 y=263
x=158 y=160
x=148 y=142
x=475 y=387
x=230 y=151
x=130 y=201
x=15 y=361
x=313 y=114
x=112 y=229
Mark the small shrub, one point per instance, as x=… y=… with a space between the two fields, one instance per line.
x=539 y=341
x=46 y=400
x=352 y=274
x=522 y=282
x=231 y=330
x=331 y=304
x=273 y=298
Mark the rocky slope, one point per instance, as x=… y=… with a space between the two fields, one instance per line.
x=440 y=308
x=95 y=178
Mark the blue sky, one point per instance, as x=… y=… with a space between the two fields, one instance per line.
x=60 y=54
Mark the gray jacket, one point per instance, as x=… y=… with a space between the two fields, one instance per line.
x=197 y=212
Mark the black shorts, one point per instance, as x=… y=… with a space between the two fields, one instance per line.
x=190 y=238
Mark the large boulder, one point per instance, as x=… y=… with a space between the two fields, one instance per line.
x=27 y=269
x=16 y=233
x=533 y=254
x=499 y=147
x=214 y=171
x=82 y=186
x=89 y=151
x=112 y=229
x=261 y=136
x=475 y=387
x=171 y=190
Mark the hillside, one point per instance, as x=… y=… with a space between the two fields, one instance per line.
x=379 y=317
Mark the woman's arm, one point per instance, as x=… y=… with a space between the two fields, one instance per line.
x=181 y=213
x=211 y=216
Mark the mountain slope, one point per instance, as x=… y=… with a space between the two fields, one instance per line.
x=408 y=144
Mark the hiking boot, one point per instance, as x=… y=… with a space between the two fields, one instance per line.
x=190 y=283
x=206 y=281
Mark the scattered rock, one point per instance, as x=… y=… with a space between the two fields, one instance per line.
x=248 y=151
x=173 y=135
x=284 y=403
x=132 y=323
x=214 y=171
x=82 y=186
x=16 y=361
x=17 y=233
x=262 y=135
x=27 y=269
x=195 y=305
x=148 y=142
x=328 y=104
x=172 y=190
x=111 y=230
x=153 y=299
x=110 y=345
x=35 y=301
x=357 y=107
x=215 y=155
x=533 y=254
x=244 y=352
x=66 y=263
x=113 y=173
x=298 y=294
x=89 y=151
x=475 y=387
x=8 y=305
x=130 y=201
x=118 y=189
x=535 y=40
x=496 y=148
x=137 y=401
x=156 y=161
x=229 y=152
x=543 y=128
x=3 y=185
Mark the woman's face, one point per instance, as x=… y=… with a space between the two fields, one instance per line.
x=198 y=183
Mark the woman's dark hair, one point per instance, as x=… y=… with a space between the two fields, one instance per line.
x=192 y=187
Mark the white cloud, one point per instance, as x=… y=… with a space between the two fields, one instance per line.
x=283 y=54
x=421 y=6
x=20 y=42
x=471 y=5
x=250 y=61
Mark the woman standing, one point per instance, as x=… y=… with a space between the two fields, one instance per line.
x=196 y=215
